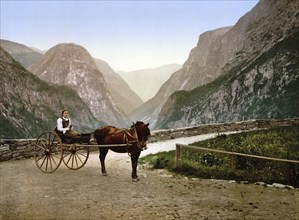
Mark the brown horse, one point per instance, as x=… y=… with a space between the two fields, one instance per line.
x=135 y=139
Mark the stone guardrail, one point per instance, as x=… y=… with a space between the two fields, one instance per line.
x=24 y=148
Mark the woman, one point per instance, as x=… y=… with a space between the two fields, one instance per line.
x=64 y=126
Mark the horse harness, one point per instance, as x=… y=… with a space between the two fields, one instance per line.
x=126 y=139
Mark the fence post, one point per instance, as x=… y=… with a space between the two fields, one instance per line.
x=291 y=174
x=177 y=155
x=232 y=165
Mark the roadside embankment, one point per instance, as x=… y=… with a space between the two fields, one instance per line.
x=24 y=148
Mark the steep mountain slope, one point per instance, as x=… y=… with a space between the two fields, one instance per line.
x=21 y=53
x=260 y=81
x=126 y=100
x=194 y=72
x=149 y=111
x=194 y=68
x=225 y=49
x=72 y=65
x=30 y=106
x=138 y=79
x=124 y=97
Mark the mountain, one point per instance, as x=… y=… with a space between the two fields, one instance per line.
x=30 y=106
x=127 y=100
x=21 y=53
x=222 y=52
x=138 y=79
x=124 y=97
x=149 y=111
x=192 y=74
x=73 y=66
x=257 y=78
x=196 y=71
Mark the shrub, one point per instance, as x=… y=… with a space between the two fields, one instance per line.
x=280 y=142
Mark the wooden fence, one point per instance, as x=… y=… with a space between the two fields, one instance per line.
x=291 y=172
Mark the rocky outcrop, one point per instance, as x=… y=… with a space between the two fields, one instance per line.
x=126 y=100
x=251 y=44
x=203 y=65
x=150 y=110
x=72 y=65
x=122 y=94
x=260 y=81
x=30 y=106
x=21 y=53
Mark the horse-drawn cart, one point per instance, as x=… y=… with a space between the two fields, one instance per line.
x=51 y=149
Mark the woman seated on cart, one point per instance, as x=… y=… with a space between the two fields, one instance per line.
x=64 y=127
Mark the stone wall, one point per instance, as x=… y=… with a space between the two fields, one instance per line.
x=16 y=149
x=24 y=148
x=160 y=135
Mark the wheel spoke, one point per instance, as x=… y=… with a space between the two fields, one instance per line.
x=38 y=159
x=43 y=161
x=50 y=160
x=47 y=163
x=54 y=145
x=43 y=145
x=56 y=150
x=54 y=161
x=69 y=158
x=54 y=155
x=47 y=151
x=79 y=158
x=75 y=156
x=72 y=160
x=82 y=154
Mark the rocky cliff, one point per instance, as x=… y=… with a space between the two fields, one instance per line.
x=21 y=53
x=149 y=111
x=30 y=106
x=72 y=65
x=122 y=94
x=258 y=77
x=126 y=100
x=225 y=50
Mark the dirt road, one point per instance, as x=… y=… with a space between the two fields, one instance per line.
x=27 y=193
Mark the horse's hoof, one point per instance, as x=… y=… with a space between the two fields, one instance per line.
x=135 y=179
x=104 y=174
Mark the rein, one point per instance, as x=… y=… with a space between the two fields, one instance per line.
x=126 y=139
x=136 y=140
x=126 y=133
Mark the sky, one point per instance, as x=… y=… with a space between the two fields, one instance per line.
x=128 y=35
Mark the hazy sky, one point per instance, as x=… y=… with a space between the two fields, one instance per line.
x=128 y=35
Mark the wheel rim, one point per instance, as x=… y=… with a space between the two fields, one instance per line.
x=48 y=152
x=75 y=157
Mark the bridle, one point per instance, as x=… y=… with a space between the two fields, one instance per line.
x=135 y=137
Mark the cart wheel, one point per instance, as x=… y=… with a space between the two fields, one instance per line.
x=75 y=156
x=48 y=152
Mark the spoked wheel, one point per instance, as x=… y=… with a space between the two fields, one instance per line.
x=75 y=156
x=48 y=152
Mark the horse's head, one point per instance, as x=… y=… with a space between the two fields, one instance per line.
x=143 y=132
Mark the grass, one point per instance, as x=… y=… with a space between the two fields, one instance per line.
x=282 y=142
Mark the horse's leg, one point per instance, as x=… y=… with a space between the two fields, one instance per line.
x=134 y=161
x=102 y=156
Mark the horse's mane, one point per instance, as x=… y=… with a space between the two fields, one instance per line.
x=138 y=123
